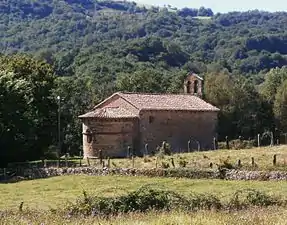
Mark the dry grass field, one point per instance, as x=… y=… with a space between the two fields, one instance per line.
x=263 y=158
x=270 y=216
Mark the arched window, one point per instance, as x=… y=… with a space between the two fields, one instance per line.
x=188 y=87
x=195 y=88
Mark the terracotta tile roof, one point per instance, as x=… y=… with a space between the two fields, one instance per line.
x=167 y=102
x=110 y=112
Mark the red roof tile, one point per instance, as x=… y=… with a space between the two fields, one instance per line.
x=110 y=112
x=184 y=102
x=112 y=107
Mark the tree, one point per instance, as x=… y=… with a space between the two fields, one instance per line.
x=148 y=80
x=273 y=80
x=280 y=107
x=28 y=111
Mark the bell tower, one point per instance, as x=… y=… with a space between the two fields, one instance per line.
x=193 y=85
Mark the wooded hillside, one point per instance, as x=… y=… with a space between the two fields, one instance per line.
x=94 y=46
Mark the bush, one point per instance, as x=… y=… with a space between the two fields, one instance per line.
x=182 y=162
x=243 y=198
x=238 y=144
x=142 y=200
x=147 y=199
x=164 y=165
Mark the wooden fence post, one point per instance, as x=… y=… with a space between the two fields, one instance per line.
x=101 y=156
x=172 y=162
x=239 y=163
x=274 y=160
x=227 y=142
x=156 y=162
x=5 y=173
x=146 y=149
x=109 y=162
x=66 y=160
x=129 y=152
x=272 y=139
x=258 y=140
x=214 y=143
x=80 y=158
x=253 y=162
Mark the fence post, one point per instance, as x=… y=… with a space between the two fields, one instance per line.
x=227 y=142
x=146 y=149
x=253 y=162
x=156 y=162
x=45 y=163
x=129 y=152
x=272 y=139
x=109 y=162
x=5 y=174
x=274 y=160
x=239 y=163
x=258 y=140
x=214 y=143
x=133 y=159
x=101 y=156
x=172 y=162
x=66 y=160
x=188 y=146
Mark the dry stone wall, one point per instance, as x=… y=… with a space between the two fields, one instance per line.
x=36 y=173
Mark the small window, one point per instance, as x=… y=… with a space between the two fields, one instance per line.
x=195 y=87
x=151 y=119
x=188 y=87
x=89 y=136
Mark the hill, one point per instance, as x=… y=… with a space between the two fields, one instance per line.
x=80 y=31
x=99 y=47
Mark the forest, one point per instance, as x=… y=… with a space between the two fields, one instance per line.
x=85 y=50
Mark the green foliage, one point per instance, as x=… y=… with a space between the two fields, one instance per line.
x=250 y=197
x=99 y=47
x=27 y=110
x=280 y=107
x=182 y=162
x=147 y=199
x=143 y=200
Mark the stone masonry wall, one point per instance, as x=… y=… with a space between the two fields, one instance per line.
x=36 y=173
x=111 y=136
x=177 y=128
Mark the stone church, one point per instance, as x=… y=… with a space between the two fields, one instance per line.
x=131 y=120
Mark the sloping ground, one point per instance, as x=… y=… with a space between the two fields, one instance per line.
x=57 y=191
x=263 y=158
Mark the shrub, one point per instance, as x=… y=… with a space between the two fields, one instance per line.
x=250 y=197
x=164 y=165
x=182 y=162
x=146 y=159
x=142 y=200
x=147 y=199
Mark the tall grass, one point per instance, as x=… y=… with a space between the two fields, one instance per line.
x=254 y=216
